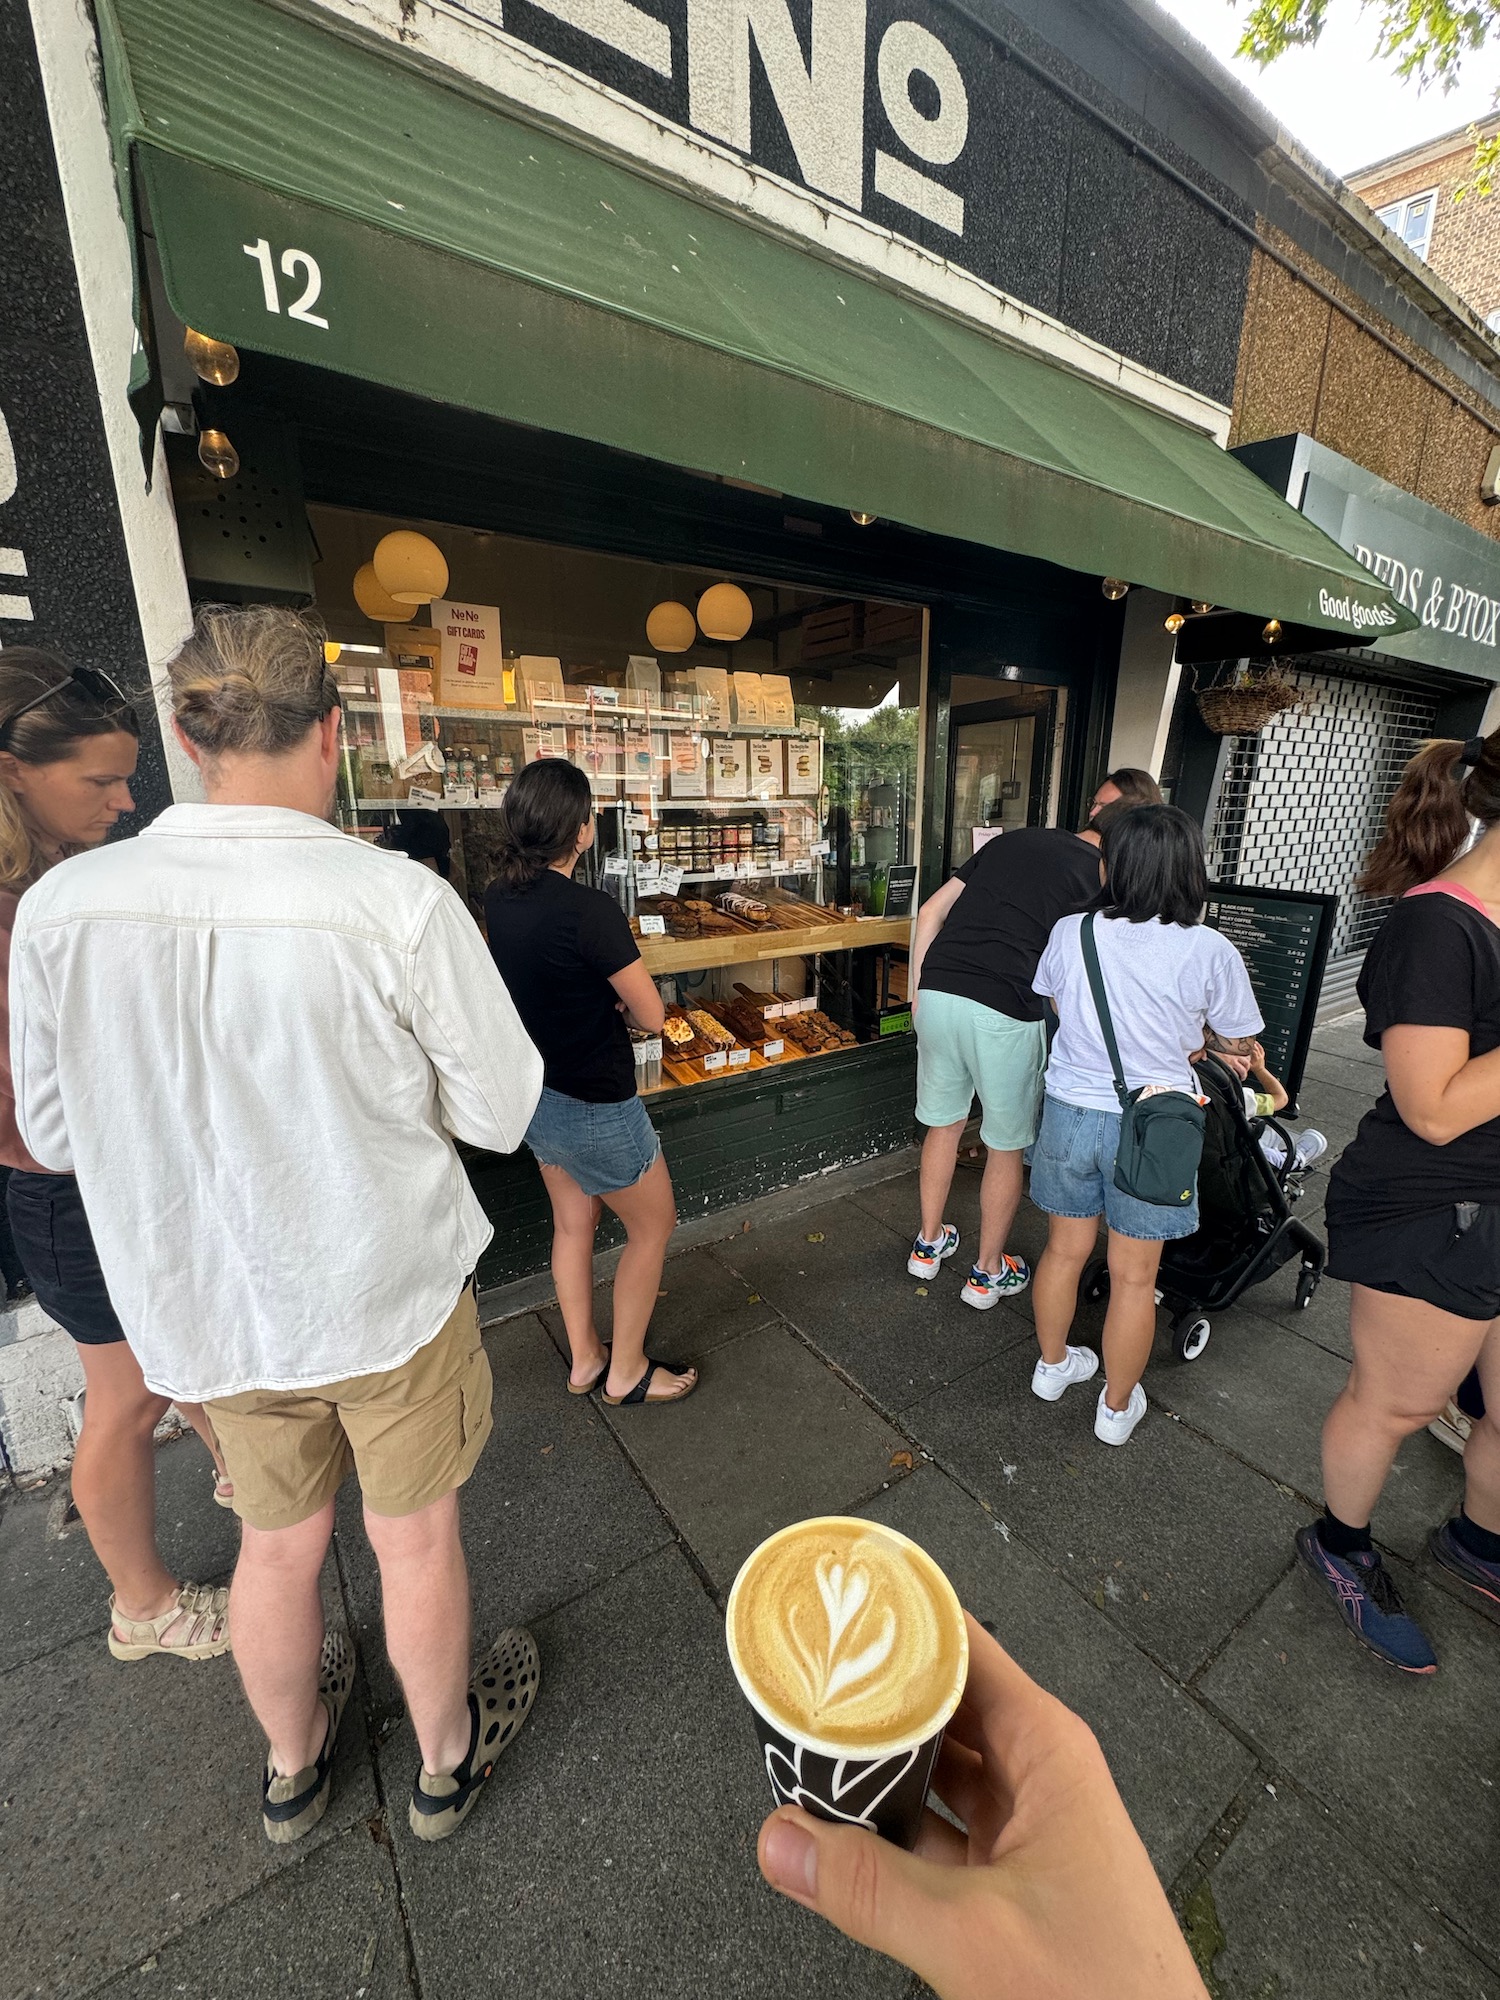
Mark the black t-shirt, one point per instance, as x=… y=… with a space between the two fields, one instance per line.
x=1435 y=963
x=558 y=945
x=1015 y=889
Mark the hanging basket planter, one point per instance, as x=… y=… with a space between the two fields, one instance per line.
x=1246 y=706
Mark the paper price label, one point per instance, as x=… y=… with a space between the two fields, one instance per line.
x=459 y=795
x=647 y=879
x=724 y=871
x=617 y=864
x=775 y=1010
x=637 y=822
x=653 y=926
x=809 y=1005
x=748 y=868
x=718 y=1060
x=739 y=1058
x=821 y=849
x=420 y=796
x=772 y=1050
x=671 y=881
x=490 y=800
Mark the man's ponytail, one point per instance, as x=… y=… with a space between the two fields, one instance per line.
x=1443 y=790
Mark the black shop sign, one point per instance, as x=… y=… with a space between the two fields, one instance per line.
x=1283 y=936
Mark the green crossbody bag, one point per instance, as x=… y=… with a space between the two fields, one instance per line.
x=1161 y=1136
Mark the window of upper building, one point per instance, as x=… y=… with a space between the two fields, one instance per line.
x=1412 y=219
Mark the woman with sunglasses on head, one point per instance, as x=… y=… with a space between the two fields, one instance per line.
x=67 y=753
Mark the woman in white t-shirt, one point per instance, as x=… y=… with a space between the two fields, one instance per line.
x=1167 y=978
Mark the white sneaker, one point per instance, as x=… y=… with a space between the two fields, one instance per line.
x=983 y=1289
x=1452 y=1428
x=926 y=1259
x=1310 y=1146
x=1050 y=1378
x=1115 y=1426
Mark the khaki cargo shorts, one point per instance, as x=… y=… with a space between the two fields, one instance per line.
x=412 y=1433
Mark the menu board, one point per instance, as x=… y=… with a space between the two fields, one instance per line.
x=1283 y=937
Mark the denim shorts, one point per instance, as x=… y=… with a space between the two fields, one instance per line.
x=57 y=1250
x=1073 y=1174
x=603 y=1146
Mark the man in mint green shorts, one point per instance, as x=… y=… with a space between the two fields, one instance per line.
x=981 y=1032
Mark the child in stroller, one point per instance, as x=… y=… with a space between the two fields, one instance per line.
x=1251 y=1176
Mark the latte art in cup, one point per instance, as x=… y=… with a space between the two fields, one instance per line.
x=847 y=1637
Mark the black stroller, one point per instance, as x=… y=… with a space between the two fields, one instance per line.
x=1246 y=1229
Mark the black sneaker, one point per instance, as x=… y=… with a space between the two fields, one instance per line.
x=1461 y=1562
x=1369 y=1604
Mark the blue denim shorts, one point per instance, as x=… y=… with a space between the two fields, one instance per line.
x=1073 y=1174
x=603 y=1146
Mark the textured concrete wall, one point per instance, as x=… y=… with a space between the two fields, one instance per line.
x=1465 y=247
x=1306 y=366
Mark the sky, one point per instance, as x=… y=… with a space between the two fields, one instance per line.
x=1345 y=107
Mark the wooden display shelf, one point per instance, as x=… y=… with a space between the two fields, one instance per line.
x=677 y=1072
x=751 y=947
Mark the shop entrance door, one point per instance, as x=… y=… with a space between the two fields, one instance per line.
x=1004 y=766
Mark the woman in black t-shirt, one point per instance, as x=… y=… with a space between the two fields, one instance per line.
x=1414 y=1204
x=573 y=969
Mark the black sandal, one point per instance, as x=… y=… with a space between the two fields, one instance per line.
x=588 y=1388
x=639 y=1395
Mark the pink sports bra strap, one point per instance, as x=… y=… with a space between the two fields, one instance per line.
x=1454 y=889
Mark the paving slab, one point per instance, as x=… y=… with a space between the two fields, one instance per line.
x=329 y=1929
x=1357 y=1073
x=1173 y=1539
x=52 y=1586
x=1177 y=1768
x=1263 y=1393
x=1305 y=1917
x=704 y=1304
x=1406 y=1765
x=1347 y=1038
x=552 y=1509
x=1323 y=1321
x=132 y=1809
x=615 y=1850
x=771 y=1437
x=848 y=1291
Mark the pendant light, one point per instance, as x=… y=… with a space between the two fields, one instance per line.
x=1271 y=631
x=210 y=360
x=1174 y=622
x=375 y=600
x=217 y=455
x=725 y=613
x=1114 y=588
x=670 y=627
x=862 y=520
x=410 y=567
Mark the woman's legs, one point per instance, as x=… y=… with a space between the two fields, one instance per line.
x=575 y=1217
x=114 y=1479
x=1408 y=1359
x=1071 y=1241
x=1482 y=1452
x=649 y=1213
x=1130 y=1322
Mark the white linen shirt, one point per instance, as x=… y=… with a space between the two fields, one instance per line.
x=252 y=1038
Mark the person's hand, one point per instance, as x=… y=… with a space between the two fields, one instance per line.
x=1257 y=1056
x=1049 y=1896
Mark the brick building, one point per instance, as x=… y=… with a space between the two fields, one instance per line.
x=1412 y=193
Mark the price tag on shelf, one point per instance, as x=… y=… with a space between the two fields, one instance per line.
x=807 y=1005
x=617 y=864
x=739 y=1058
x=724 y=871
x=748 y=868
x=427 y=801
x=647 y=880
x=637 y=822
x=671 y=881
x=774 y=1009
x=772 y=1050
x=460 y=795
x=821 y=849
x=717 y=1060
x=653 y=926
x=491 y=800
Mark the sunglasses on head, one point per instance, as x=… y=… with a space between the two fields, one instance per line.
x=90 y=679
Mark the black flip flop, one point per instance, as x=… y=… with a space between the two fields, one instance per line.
x=638 y=1395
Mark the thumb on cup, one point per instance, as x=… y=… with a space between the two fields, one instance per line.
x=873 y=1892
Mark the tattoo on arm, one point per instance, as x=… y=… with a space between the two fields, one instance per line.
x=1228 y=1045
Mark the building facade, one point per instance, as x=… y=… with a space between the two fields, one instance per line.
x=1412 y=193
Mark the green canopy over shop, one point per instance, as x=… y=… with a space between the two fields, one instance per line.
x=318 y=195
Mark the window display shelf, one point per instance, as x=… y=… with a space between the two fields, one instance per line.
x=579 y=711
x=662 y=955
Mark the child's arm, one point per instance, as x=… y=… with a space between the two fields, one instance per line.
x=1271 y=1085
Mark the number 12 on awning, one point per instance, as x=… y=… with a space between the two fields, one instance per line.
x=294 y=264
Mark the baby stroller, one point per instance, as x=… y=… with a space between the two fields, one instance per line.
x=1246 y=1229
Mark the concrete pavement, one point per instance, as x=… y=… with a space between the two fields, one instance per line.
x=1325 y=1826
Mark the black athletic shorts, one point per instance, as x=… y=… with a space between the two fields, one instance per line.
x=56 y=1246
x=1450 y=1257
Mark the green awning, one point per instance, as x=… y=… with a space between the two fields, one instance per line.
x=322 y=197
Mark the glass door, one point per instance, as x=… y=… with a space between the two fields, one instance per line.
x=1005 y=768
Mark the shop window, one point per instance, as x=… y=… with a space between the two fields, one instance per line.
x=1412 y=219
x=754 y=762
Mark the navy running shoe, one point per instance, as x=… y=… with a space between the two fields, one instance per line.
x=1464 y=1564
x=1369 y=1604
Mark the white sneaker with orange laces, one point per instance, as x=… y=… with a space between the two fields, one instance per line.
x=927 y=1259
x=983 y=1289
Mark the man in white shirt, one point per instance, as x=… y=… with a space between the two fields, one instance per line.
x=254 y=1041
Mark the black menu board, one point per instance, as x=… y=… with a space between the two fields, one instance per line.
x=1283 y=937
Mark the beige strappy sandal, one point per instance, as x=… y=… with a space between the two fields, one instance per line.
x=199 y=1614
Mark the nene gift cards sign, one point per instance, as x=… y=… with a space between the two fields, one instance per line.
x=471 y=670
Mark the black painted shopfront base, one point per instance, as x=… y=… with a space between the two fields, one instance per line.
x=725 y=1142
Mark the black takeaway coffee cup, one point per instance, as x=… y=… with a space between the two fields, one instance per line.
x=849 y=1644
